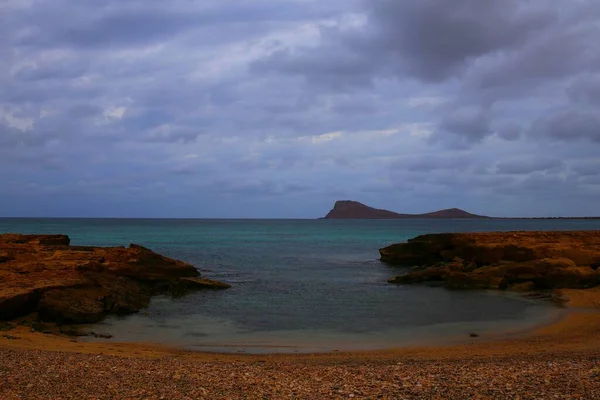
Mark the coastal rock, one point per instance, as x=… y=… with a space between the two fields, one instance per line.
x=81 y=284
x=35 y=240
x=143 y=264
x=203 y=283
x=522 y=287
x=72 y=305
x=184 y=286
x=500 y=260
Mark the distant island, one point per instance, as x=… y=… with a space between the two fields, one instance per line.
x=347 y=209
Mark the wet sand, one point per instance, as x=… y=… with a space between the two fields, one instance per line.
x=560 y=360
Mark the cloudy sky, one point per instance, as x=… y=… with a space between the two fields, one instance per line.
x=277 y=108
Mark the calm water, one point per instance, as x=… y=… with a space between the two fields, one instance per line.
x=301 y=285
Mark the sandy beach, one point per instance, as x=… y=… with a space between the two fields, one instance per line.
x=560 y=360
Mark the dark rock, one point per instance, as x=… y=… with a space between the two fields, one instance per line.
x=428 y=274
x=463 y=280
x=141 y=264
x=523 y=287
x=520 y=261
x=203 y=283
x=73 y=331
x=9 y=337
x=121 y=295
x=72 y=305
x=17 y=302
x=5 y=258
x=6 y=326
x=101 y=335
x=40 y=327
x=39 y=240
x=185 y=285
x=575 y=277
x=80 y=284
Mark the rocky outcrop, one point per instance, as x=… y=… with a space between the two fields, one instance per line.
x=500 y=260
x=347 y=209
x=81 y=284
x=186 y=285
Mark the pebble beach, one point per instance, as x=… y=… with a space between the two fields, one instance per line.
x=559 y=361
x=34 y=374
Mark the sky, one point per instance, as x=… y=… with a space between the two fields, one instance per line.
x=278 y=108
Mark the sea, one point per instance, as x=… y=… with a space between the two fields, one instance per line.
x=304 y=285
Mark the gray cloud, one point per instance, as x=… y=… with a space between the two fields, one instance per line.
x=509 y=131
x=63 y=69
x=473 y=123
x=429 y=40
x=585 y=167
x=198 y=108
x=487 y=52
x=115 y=24
x=430 y=163
x=586 y=89
x=528 y=165
x=569 y=124
x=435 y=40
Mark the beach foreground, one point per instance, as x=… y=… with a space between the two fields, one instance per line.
x=556 y=361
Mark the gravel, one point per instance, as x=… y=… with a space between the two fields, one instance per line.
x=39 y=374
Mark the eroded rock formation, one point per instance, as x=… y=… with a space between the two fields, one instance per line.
x=500 y=260
x=81 y=284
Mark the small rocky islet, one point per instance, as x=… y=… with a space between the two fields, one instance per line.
x=518 y=261
x=44 y=276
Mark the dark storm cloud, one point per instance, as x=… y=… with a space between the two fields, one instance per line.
x=560 y=51
x=479 y=53
x=435 y=40
x=430 y=40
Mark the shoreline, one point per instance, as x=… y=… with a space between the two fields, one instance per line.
x=559 y=360
x=431 y=336
x=566 y=331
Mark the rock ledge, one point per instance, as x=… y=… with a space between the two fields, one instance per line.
x=81 y=284
x=520 y=261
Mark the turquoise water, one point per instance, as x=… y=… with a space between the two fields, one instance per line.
x=302 y=285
